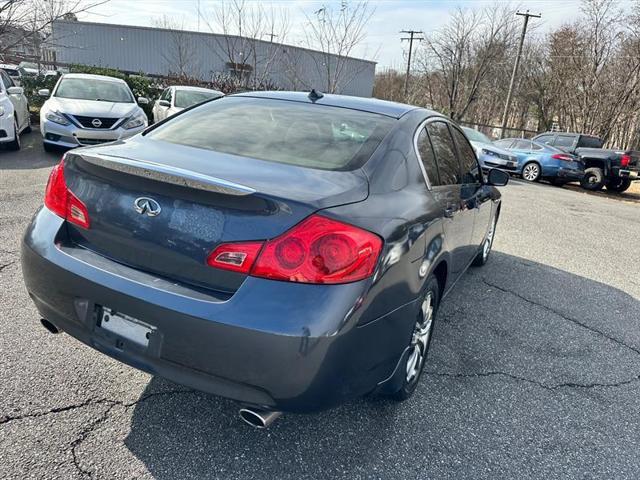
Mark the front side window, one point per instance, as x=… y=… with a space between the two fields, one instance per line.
x=189 y=98
x=307 y=135
x=427 y=157
x=468 y=160
x=91 y=89
x=522 y=145
x=445 y=150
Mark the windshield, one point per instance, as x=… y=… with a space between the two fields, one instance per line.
x=91 y=89
x=475 y=136
x=302 y=134
x=187 y=98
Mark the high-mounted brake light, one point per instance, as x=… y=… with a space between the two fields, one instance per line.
x=61 y=201
x=317 y=250
x=625 y=160
x=563 y=156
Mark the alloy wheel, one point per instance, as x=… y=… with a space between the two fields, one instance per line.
x=420 y=339
x=531 y=172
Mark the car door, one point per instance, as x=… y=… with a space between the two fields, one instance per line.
x=159 y=111
x=18 y=101
x=447 y=190
x=473 y=192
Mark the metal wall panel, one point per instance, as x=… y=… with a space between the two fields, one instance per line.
x=159 y=52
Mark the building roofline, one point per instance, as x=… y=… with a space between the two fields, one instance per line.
x=207 y=34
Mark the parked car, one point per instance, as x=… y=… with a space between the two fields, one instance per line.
x=490 y=154
x=246 y=249
x=30 y=68
x=612 y=168
x=88 y=110
x=14 y=112
x=176 y=99
x=15 y=72
x=537 y=161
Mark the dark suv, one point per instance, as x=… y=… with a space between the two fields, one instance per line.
x=613 y=168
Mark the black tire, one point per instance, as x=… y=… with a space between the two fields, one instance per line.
x=483 y=255
x=618 y=184
x=15 y=143
x=419 y=342
x=593 y=179
x=531 y=172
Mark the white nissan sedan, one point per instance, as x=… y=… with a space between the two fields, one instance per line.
x=88 y=110
x=175 y=99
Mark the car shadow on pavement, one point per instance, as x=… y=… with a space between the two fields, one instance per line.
x=30 y=156
x=531 y=368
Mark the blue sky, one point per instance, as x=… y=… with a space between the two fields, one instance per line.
x=382 y=43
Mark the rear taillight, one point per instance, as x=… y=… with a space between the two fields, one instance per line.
x=317 y=250
x=625 y=160
x=61 y=201
x=563 y=156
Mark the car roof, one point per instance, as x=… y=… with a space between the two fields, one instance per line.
x=568 y=133
x=372 y=105
x=196 y=89
x=88 y=76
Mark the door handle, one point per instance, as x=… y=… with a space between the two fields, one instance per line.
x=449 y=211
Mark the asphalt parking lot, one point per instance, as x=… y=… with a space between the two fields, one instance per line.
x=534 y=370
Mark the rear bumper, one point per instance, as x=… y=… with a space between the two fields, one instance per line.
x=277 y=345
x=630 y=174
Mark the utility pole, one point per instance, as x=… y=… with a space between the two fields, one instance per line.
x=411 y=38
x=507 y=105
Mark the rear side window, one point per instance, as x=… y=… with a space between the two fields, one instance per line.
x=427 y=157
x=563 y=141
x=589 y=142
x=302 y=134
x=445 y=151
x=468 y=161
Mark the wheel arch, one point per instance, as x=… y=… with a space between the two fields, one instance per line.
x=441 y=272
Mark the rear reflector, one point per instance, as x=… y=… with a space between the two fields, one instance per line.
x=317 y=250
x=61 y=201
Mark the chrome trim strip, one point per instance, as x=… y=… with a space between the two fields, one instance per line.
x=166 y=173
x=415 y=149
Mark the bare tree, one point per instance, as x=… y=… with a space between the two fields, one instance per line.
x=181 y=57
x=29 y=21
x=243 y=45
x=335 y=33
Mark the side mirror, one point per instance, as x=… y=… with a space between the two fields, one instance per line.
x=143 y=101
x=497 y=178
x=15 y=90
x=44 y=92
x=164 y=103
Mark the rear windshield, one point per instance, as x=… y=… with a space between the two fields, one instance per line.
x=302 y=134
x=187 y=98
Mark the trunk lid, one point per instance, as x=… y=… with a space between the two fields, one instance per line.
x=205 y=199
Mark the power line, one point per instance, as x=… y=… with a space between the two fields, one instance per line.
x=507 y=105
x=412 y=36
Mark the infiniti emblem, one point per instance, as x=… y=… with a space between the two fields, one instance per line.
x=147 y=206
x=96 y=122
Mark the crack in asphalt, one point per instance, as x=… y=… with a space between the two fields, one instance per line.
x=553 y=387
x=5 y=265
x=562 y=315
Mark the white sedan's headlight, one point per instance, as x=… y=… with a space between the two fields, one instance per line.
x=57 y=118
x=135 y=122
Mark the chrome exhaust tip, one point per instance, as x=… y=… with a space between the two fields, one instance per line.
x=258 y=418
x=49 y=326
